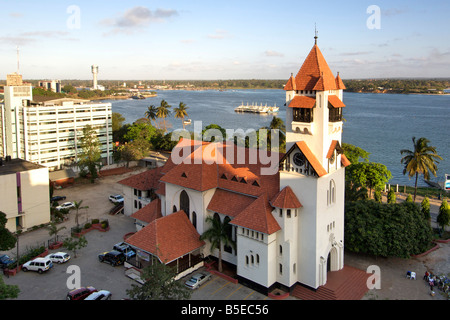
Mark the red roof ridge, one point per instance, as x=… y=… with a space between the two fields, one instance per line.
x=286 y=198
x=320 y=170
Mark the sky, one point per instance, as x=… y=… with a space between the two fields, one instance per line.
x=208 y=40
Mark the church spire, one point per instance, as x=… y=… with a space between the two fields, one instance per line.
x=315 y=34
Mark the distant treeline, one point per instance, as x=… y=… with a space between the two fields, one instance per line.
x=398 y=85
x=353 y=85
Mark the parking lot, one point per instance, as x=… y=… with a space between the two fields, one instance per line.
x=54 y=284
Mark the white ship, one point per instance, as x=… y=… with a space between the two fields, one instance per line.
x=254 y=108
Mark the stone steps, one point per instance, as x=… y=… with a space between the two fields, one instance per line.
x=346 y=284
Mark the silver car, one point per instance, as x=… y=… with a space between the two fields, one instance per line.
x=197 y=280
x=59 y=257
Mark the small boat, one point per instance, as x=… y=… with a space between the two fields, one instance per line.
x=187 y=121
x=138 y=97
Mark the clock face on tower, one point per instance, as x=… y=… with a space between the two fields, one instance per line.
x=299 y=159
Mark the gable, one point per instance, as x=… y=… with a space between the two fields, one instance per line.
x=303 y=161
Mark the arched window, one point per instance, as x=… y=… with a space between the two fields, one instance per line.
x=229 y=231
x=332 y=192
x=194 y=219
x=184 y=202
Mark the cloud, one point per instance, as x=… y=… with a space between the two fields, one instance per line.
x=219 y=35
x=358 y=53
x=138 y=17
x=270 y=53
x=26 y=38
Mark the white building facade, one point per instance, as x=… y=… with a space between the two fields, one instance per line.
x=49 y=132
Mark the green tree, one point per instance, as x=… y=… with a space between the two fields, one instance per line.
x=409 y=198
x=426 y=208
x=151 y=113
x=355 y=154
x=54 y=230
x=391 y=197
x=217 y=235
x=90 y=157
x=8 y=291
x=369 y=174
x=75 y=244
x=78 y=207
x=117 y=121
x=159 y=284
x=443 y=218
x=181 y=112
x=7 y=239
x=163 y=111
x=421 y=160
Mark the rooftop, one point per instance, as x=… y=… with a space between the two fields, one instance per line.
x=17 y=165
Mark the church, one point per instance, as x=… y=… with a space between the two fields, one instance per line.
x=288 y=227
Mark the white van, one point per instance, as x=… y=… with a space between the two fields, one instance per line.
x=39 y=264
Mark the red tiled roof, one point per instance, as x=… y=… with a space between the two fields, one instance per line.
x=144 y=181
x=150 y=212
x=315 y=74
x=285 y=199
x=311 y=158
x=290 y=85
x=345 y=162
x=333 y=146
x=168 y=238
x=229 y=203
x=258 y=216
x=339 y=83
x=335 y=102
x=303 y=102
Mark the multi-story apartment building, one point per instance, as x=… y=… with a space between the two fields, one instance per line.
x=49 y=132
x=24 y=193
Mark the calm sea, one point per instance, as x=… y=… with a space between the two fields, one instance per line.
x=382 y=124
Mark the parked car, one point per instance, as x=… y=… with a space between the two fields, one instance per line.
x=5 y=261
x=66 y=205
x=113 y=257
x=80 y=293
x=58 y=198
x=116 y=198
x=39 y=264
x=99 y=295
x=125 y=249
x=59 y=257
x=197 y=280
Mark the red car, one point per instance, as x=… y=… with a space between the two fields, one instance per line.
x=80 y=293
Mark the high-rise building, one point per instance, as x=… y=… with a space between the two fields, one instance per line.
x=48 y=132
x=94 y=70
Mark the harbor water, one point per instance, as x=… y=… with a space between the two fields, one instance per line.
x=381 y=124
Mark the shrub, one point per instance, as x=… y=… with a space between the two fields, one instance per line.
x=95 y=221
x=391 y=197
x=398 y=230
x=87 y=225
x=425 y=205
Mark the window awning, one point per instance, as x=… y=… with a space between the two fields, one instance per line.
x=335 y=102
x=303 y=102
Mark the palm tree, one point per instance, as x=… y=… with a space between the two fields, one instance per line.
x=181 y=112
x=77 y=207
x=163 y=112
x=217 y=235
x=54 y=230
x=422 y=159
x=150 y=114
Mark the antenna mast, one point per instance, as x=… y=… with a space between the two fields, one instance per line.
x=18 y=61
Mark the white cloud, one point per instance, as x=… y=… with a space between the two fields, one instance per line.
x=137 y=18
x=219 y=35
x=271 y=53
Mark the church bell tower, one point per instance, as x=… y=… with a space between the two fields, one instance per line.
x=314 y=168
